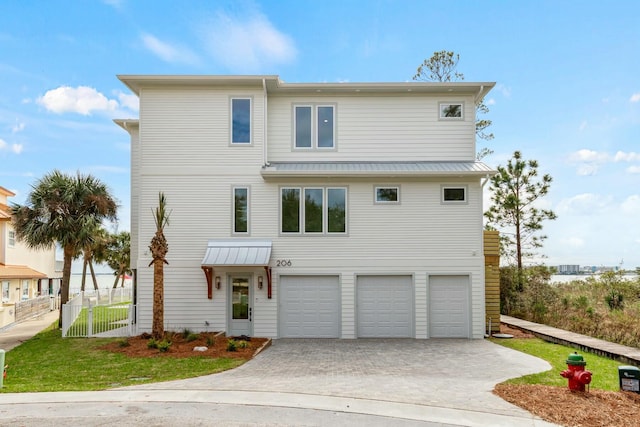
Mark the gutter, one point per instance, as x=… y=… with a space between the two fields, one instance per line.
x=264 y=124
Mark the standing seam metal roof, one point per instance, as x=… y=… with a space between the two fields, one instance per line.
x=237 y=252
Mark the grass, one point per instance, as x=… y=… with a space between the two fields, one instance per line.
x=48 y=362
x=605 y=371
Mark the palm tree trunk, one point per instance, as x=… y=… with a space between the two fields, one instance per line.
x=84 y=274
x=66 y=277
x=158 y=299
x=93 y=276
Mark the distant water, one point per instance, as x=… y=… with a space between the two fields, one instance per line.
x=105 y=281
x=566 y=278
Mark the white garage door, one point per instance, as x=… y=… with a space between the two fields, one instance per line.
x=309 y=307
x=449 y=306
x=385 y=306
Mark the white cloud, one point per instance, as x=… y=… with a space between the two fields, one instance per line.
x=168 y=52
x=18 y=127
x=635 y=97
x=586 y=155
x=82 y=100
x=626 y=157
x=491 y=102
x=129 y=101
x=506 y=91
x=15 y=148
x=247 y=43
x=633 y=169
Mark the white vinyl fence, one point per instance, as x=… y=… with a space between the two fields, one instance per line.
x=99 y=314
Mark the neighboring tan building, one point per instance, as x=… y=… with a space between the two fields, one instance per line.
x=334 y=210
x=24 y=273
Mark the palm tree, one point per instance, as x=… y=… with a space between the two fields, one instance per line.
x=63 y=209
x=94 y=252
x=159 y=249
x=118 y=255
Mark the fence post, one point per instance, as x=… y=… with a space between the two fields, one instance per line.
x=90 y=320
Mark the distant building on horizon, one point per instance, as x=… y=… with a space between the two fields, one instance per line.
x=569 y=269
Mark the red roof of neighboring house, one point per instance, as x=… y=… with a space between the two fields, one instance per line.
x=19 y=272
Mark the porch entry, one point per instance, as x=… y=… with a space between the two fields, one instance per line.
x=241 y=308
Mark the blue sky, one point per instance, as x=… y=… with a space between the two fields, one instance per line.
x=567 y=93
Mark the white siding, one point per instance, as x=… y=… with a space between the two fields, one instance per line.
x=378 y=128
x=184 y=151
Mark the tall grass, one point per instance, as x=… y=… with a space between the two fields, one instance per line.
x=605 y=307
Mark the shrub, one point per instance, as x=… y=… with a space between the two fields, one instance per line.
x=210 y=341
x=124 y=343
x=186 y=332
x=152 y=343
x=231 y=345
x=242 y=344
x=163 y=346
x=192 y=337
x=615 y=300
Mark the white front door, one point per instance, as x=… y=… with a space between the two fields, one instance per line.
x=240 y=306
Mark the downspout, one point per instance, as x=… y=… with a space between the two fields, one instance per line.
x=265 y=161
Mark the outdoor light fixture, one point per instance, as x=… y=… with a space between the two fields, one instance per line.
x=217 y=282
x=259 y=282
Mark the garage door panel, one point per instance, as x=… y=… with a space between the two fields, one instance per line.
x=385 y=306
x=449 y=306
x=309 y=307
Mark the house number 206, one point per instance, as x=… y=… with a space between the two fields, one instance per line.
x=283 y=263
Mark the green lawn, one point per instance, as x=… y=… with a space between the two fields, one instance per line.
x=605 y=371
x=48 y=362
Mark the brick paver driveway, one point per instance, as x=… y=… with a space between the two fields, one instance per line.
x=446 y=373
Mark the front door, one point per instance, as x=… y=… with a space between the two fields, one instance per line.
x=241 y=309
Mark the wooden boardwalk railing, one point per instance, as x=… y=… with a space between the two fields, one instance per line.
x=621 y=353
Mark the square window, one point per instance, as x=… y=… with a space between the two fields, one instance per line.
x=454 y=194
x=451 y=111
x=387 y=194
x=241 y=121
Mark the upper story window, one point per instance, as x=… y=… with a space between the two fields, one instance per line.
x=11 y=238
x=454 y=194
x=387 y=194
x=314 y=126
x=241 y=120
x=313 y=210
x=241 y=210
x=451 y=111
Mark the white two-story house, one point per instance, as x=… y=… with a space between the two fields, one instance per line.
x=25 y=273
x=338 y=210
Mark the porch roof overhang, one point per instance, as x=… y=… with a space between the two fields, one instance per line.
x=237 y=252
x=19 y=272
x=376 y=169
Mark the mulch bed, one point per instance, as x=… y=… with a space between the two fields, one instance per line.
x=181 y=347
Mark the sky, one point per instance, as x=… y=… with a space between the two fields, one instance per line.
x=567 y=88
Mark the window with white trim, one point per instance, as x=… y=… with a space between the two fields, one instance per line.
x=241 y=210
x=314 y=126
x=11 y=238
x=454 y=194
x=5 y=291
x=313 y=210
x=25 y=289
x=451 y=111
x=241 y=120
x=387 y=195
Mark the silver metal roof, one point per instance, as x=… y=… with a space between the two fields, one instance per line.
x=375 y=169
x=237 y=252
